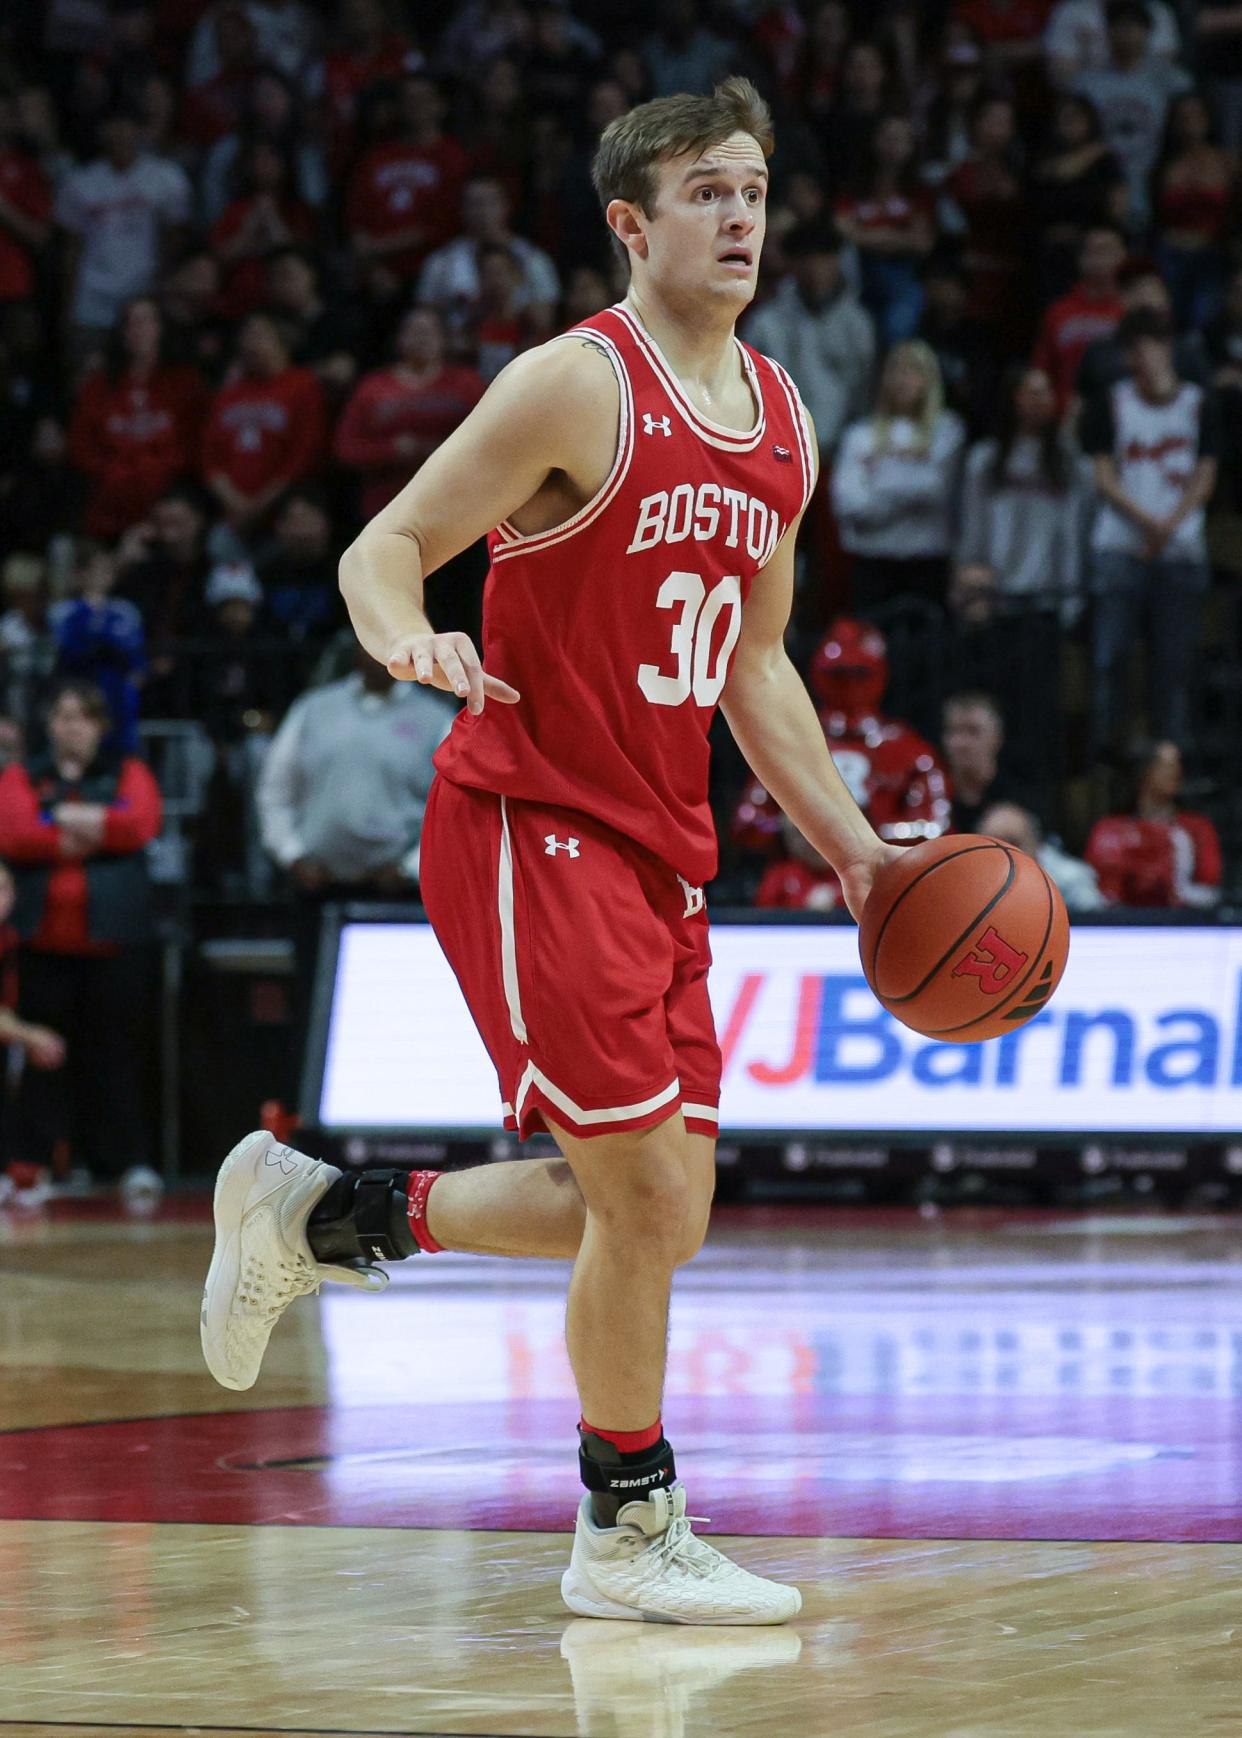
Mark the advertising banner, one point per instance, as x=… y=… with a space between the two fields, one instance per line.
x=1144 y=1036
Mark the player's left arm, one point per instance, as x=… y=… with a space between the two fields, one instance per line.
x=778 y=730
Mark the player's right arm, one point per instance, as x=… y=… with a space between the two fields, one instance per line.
x=552 y=410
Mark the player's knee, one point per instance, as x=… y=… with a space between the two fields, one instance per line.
x=650 y=1210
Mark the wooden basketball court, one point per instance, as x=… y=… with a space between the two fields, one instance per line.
x=1002 y=1457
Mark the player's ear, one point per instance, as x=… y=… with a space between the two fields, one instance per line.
x=626 y=224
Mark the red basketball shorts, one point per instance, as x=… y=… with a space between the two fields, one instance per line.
x=583 y=959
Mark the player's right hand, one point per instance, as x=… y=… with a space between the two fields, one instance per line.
x=449 y=662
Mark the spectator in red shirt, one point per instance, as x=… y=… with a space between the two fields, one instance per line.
x=890 y=218
x=1195 y=195
x=1091 y=310
x=74 y=826
x=265 y=216
x=371 y=51
x=25 y=208
x=1158 y=854
x=266 y=428
x=136 y=424
x=212 y=109
x=988 y=194
x=398 y=416
x=405 y=194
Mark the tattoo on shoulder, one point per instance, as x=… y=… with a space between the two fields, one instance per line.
x=590 y=344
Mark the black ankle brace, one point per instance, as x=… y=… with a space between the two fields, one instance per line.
x=604 y=1467
x=363 y=1217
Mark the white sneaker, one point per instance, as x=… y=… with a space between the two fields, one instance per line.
x=141 y=1189
x=265 y=1195
x=651 y=1568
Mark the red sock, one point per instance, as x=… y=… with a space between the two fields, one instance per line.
x=417 y=1190
x=628 y=1441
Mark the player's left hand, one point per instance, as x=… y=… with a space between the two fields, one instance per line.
x=858 y=877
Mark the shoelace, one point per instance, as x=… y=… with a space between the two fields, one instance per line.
x=678 y=1536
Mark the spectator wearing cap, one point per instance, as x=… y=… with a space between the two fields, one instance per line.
x=1091 y=310
x=894 y=483
x=266 y=429
x=398 y=416
x=1154 y=439
x=890 y=218
x=75 y=822
x=815 y=327
x=1075 y=880
x=137 y=422
x=1157 y=853
x=1132 y=93
x=450 y=280
x=118 y=215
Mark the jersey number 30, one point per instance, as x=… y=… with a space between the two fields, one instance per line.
x=691 y=643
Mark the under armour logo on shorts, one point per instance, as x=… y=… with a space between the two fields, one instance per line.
x=551 y=845
x=652 y=423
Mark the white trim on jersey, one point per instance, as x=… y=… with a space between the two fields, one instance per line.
x=521 y=543
x=508 y=937
x=533 y=1076
x=702 y=1112
x=798 y=412
x=716 y=434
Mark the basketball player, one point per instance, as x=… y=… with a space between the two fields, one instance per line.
x=641 y=480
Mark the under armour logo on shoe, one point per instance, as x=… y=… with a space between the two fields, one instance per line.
x=653 y=423
x=551 y=845
x=283 y=1157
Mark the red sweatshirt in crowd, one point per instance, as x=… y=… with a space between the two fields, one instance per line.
x=130 y=824
x=132 y=437
x=1068 y=327
x=387 y=405
x=1160 y=863
x=399 y=186
x=264 y=432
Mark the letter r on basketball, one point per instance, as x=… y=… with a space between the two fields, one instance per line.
x=992 y=961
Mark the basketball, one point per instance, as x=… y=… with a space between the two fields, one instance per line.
x=963 y=938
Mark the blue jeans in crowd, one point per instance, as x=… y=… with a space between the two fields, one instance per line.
x=892 y=293
x=1166 y=596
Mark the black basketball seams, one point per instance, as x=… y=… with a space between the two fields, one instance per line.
x=992 y=845
x=956 y=1031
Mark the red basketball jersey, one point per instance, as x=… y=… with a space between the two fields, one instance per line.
x=617 y=626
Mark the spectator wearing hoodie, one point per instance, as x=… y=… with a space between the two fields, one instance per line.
x=816 y=328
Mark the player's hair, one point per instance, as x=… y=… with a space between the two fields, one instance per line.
x=632 y=145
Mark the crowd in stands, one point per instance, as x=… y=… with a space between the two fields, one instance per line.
x=258 y=258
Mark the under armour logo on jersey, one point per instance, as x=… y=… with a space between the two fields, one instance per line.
x=694 y=898
x=551 y=845
x=653 y=423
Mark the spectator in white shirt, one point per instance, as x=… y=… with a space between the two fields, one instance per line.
x=894 y=484
x=1076 y=38
x=815 y=327
x=1132 y=93
x=450 y=279
x=1075 y=880
x=117 y=213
